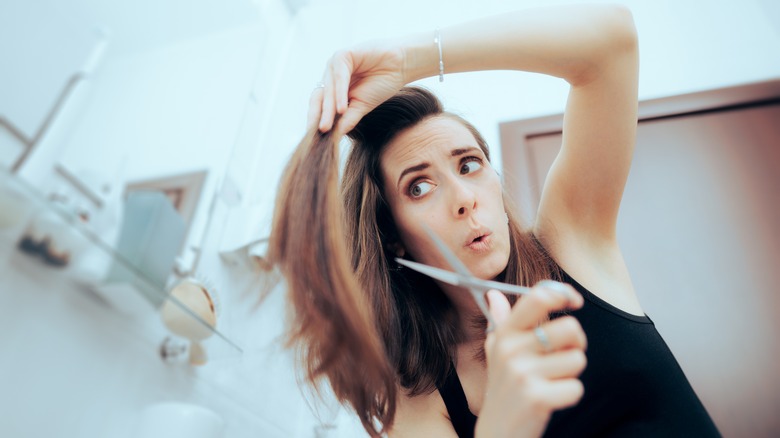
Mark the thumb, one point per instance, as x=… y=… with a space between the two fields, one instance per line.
x=499 y=306
x=351 y=117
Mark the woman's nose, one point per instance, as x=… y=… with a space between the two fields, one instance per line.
x=465 y=200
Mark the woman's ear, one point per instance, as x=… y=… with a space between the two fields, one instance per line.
x=397 y=249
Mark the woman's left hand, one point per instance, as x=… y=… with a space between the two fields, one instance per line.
x=355 y=82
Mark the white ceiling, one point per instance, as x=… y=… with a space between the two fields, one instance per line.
x=144 y=24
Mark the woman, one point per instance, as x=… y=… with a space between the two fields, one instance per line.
x=409 y=354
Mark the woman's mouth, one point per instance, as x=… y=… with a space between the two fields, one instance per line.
x=480 y=243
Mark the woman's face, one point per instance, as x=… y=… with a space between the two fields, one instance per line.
x=435 y=174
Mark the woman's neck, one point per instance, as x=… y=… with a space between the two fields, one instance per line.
x=468 y=312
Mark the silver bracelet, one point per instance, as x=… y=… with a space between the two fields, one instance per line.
x=437 y=41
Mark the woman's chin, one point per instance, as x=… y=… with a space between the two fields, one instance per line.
x=489 y=267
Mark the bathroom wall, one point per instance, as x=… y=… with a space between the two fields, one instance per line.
x=175 y=99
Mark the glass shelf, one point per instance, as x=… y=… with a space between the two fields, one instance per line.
x=74 y=253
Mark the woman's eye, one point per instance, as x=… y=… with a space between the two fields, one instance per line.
x=420 y=189
x=470 y=166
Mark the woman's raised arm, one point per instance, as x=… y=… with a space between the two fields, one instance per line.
x=593 y=47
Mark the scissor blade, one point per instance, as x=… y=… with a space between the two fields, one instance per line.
x=451 y=278
x=451 y=258
x=490 y=284
x=439 y=274
x=459 y=267
x=466 y=278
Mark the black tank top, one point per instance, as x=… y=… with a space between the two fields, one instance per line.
x=634 y=386
x=457 y=405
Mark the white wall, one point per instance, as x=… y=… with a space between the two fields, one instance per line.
x=39 y=56
x=170 y=109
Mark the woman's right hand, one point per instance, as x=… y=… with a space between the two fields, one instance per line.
x=528 y=380
x=355 y=82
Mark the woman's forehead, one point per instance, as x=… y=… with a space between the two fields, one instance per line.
x=431 y=138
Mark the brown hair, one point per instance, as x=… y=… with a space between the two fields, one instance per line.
x=360 y=321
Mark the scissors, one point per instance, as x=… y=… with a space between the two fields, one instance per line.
x=462 y=277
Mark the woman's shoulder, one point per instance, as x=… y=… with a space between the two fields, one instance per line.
x=421 y=415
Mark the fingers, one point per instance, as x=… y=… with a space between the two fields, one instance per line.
x=562 y=289
x=560 y=394
x=328 y=104
x=351 y=117
x=499 y=306
x=315 y=107
x=546 y=297
x=560 y=365
x=357 y=81
x=341 y=77
x=563 y=364
x=335 y=93
x=562 y=333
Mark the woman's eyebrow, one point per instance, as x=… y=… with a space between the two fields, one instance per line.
x=411 y=169
x=465 y=150
x=422 y=166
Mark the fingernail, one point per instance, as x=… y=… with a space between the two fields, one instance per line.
x=558 y=288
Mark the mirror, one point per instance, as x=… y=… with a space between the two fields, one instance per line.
x=113 y=98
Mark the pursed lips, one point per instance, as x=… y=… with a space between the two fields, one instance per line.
x=479 y=239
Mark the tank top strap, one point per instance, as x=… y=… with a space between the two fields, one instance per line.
x=454 y=397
